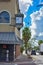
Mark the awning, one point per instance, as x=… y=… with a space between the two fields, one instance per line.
x=9 y=38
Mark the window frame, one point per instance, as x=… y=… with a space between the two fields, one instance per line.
x=9 y=15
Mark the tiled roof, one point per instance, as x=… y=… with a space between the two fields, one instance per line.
x=9 y=38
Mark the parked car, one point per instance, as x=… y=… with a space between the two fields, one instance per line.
x=33 y=52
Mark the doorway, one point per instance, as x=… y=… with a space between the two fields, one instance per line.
x=6 y=52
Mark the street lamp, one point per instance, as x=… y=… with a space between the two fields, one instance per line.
x=19 y=20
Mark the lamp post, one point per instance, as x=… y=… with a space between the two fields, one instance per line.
x=19 y=20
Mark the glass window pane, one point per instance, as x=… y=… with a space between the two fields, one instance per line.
x=4 y=17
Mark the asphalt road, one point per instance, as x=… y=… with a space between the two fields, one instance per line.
x=38 y=59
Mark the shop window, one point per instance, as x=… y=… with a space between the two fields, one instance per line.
x=4 y=17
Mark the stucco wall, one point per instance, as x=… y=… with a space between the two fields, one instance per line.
x=10 y=7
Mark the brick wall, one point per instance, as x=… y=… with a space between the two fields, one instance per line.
x=17 y=52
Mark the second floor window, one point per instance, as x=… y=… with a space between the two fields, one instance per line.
x=4 y=17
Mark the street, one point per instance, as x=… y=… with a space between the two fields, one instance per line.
x=38 y=59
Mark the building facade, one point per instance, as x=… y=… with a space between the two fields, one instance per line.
x=9 y=34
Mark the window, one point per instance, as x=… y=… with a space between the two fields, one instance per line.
x=4 y=17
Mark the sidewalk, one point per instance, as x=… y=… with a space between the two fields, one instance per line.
x=23 y=59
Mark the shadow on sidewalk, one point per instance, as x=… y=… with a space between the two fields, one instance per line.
x=24 y=60
x=28 y=64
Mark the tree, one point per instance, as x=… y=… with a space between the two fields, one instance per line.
x=36 y=48
x=29 y=46
x=40 y=42
x=26 y=35
x=21 y=49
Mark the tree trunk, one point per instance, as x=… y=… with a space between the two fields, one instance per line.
x=26 y=51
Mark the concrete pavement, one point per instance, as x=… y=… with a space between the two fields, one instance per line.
x=38 y=60
x=21 y=60
x=24 y=60
x=17 y=64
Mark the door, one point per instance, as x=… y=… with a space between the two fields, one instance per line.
x=2 y=55
x=6 y=52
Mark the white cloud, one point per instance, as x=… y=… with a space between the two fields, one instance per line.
x=33 y=33
x=24 y=16
x=41 y=34
x=23 y=24
x=24 y=5
x=37 y=23
x=33 y=25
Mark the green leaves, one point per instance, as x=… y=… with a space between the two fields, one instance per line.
x=21 y=49
x=26 y=34
x=40 y=42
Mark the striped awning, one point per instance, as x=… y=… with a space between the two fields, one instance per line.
x=9 y=38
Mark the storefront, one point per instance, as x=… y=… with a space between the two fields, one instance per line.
x=6 y=52
x=9 y=46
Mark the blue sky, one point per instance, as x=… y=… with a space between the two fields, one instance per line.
x=32 y=8
x=33 y=16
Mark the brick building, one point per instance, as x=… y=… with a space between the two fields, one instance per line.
x=9 y=35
